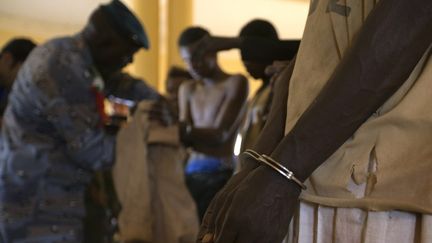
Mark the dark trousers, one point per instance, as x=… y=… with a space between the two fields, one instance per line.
x=204 y=186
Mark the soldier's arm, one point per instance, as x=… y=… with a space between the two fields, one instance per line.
x=125 y=86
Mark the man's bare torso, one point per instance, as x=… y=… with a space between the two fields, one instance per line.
x=207 y=103
x=210 y=107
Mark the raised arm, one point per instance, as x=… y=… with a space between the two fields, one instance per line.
x=252 y=48
x=209 y=44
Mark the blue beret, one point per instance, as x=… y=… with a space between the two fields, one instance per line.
x=126 y=23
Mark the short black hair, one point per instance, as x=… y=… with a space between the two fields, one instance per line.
x=191 y=35
x=259 y=28
x=19 y=48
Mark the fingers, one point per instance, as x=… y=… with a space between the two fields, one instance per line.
x=250 y=237
x=207 y=225
x=224 y=207
x=226 y=196
x=276 y=67
x=208 y=238
x=250 y=217
x=216 y=213
x=226 y=217
x=228 y=235
x=203 y=47
x=218 y=203
x=221 y=216
x=222 y=202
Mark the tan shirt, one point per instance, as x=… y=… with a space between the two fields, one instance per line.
x=386 y=163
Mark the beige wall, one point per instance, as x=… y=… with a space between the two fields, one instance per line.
x=146 y=62
x=178 y=16
x=43 y=19
x=226 y=17
x=163 y=20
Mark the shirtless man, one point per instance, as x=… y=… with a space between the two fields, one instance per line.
x=259 y=105
x=210 y=113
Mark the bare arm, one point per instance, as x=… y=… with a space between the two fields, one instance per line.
x=217 y=43
x=274 y=129
x=391 y=42
x=253 y=48
x=183 y=102
x=185 y=118
x=387 y=48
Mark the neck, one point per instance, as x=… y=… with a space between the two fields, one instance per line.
x=265 y=81
x=217 y=76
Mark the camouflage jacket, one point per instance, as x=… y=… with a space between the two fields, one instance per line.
x=51 y=143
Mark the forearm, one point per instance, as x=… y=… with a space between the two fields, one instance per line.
x=224 y=43
x=391 y=42
x=274 y=129
x=268 y=50
x=204 y=136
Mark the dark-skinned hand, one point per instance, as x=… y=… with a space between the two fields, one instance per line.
x=246 y=216
x=204 y=46
x=208 y=223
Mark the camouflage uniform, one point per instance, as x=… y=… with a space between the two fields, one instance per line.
x=52 y=142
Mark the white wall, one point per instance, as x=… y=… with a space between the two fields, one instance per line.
x=45 y=18
x=226 y=17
